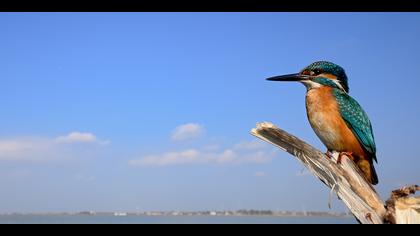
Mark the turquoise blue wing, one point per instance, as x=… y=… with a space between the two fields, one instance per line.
x=357 y=120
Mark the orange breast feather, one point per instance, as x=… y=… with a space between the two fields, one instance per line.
x=325 y=118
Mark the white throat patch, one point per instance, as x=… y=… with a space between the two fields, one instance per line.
x=309 y=84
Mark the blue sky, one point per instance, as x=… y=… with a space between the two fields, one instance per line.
x=152 y=111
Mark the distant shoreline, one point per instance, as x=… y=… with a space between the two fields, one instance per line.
x=244 y=213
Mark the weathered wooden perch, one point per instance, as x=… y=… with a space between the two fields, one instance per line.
x=403 y=209
x=345 y=179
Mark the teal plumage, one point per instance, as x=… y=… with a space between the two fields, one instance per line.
x=327 y=67
x=357 y=120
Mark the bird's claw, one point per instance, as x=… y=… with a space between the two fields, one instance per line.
x=347 y=154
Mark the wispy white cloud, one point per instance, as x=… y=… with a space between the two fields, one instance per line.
x=227 y=156
x=254 y=151
x=18 y=145
x=43 y=149
x=25 y=149
x=169 y=158
x=79 y=137
x=187 y=131
x=205 y=156
x=260 y=157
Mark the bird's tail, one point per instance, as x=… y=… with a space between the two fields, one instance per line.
x=373 y=177
x=366 y=166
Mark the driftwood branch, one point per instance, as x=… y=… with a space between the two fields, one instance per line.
x=403 y=209
x=344 y=179
x=347 y=181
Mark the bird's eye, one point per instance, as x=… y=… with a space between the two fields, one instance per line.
x=317 y=72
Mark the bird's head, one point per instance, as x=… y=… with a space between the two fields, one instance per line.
x=317 y=74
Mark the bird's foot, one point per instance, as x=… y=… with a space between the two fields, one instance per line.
x=347 y=154
x=329 y=154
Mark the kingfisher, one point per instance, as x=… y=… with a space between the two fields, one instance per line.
x=337 y=119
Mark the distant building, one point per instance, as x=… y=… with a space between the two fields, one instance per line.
x=120 y=214
x=87 y=213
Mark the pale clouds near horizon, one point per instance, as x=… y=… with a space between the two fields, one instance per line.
x=251 y=152
x=41 y=149
x=24 y=149
x=80 y=137
x=187 y=132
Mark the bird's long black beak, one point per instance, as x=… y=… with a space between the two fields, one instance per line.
x=290 y=77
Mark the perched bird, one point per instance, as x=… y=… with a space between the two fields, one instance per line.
x=337 y=119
